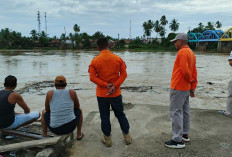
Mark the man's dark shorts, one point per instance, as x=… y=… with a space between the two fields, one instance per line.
x=66 y=128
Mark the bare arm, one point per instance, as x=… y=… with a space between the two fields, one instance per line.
x=19 y=100
x=74 y=97
x=48 y=99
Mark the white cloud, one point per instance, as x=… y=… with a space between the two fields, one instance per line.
x=109 y=16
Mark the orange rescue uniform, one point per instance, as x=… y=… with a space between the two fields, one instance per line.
x=107 y=68
x=184 y=75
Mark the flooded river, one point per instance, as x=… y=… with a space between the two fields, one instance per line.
x=148 y=80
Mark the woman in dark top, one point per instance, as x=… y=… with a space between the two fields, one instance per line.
x=8 y=98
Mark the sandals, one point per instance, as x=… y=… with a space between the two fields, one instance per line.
x=82 y=135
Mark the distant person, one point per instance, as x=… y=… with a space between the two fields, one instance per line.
x=183 y=84
x=108 y=72
x=62 y=112
x=8 y=99
x=228 y=111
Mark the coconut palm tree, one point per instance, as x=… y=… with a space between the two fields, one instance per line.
x=210 y=26
x=162 y=31
x=147 y=27
x=63 y=37
x=157 y=27
x=174 y=25
x=218 y=24
x=200 y=28
x=76 y=28
x=163 y=22
x=34 y=35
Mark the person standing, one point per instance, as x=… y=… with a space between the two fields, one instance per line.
x=8 y=99
x=183 y=85
x=228 y=111
x=108 y=72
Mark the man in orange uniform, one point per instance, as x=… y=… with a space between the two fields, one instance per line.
x=183 y=84
x=108 y=72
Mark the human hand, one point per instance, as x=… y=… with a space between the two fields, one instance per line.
x=109 y=85
x=192 y=92
x=112 y=89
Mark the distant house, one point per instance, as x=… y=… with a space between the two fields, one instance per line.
x=67 y=43
x=159 y=40
x=127 y=41
x=55 y=43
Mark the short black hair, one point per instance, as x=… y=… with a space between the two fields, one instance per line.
x=102 y=43
x=10 y=81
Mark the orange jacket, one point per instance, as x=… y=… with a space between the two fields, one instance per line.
x=184 y=75
x=107 y=68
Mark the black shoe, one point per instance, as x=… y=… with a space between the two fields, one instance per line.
x=185 y=138
x=174 y=144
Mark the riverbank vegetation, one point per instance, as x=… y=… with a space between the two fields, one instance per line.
x=75 y=40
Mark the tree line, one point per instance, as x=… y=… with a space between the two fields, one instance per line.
x=13 y=39
x=159 y=27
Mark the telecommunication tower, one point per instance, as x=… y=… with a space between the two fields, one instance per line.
x=130 y=31
x=45 y=23
x=38 y=19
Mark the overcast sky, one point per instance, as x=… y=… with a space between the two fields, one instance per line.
x=112 y=17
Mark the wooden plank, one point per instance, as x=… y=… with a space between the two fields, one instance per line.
x=30 y=144
x=21 y=133
x=31 y=131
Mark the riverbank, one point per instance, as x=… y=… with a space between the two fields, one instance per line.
x=94 y=50
x=150 y=127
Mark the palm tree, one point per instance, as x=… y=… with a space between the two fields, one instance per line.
x=200 y=28
x=43 y=34
x=163 y=22
x=157 y=27
x=34 y=35
x=162 y=31
x=76 y=28
x=174 y=25
x=147 y=27
x=218 y=24
x=210 y=26
x=63 y=37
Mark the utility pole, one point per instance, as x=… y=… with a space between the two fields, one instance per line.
x=45 y=23
x=38 y=19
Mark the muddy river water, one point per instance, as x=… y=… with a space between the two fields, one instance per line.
x=148 y=80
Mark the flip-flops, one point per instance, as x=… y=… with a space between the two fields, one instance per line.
x=82 y=135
